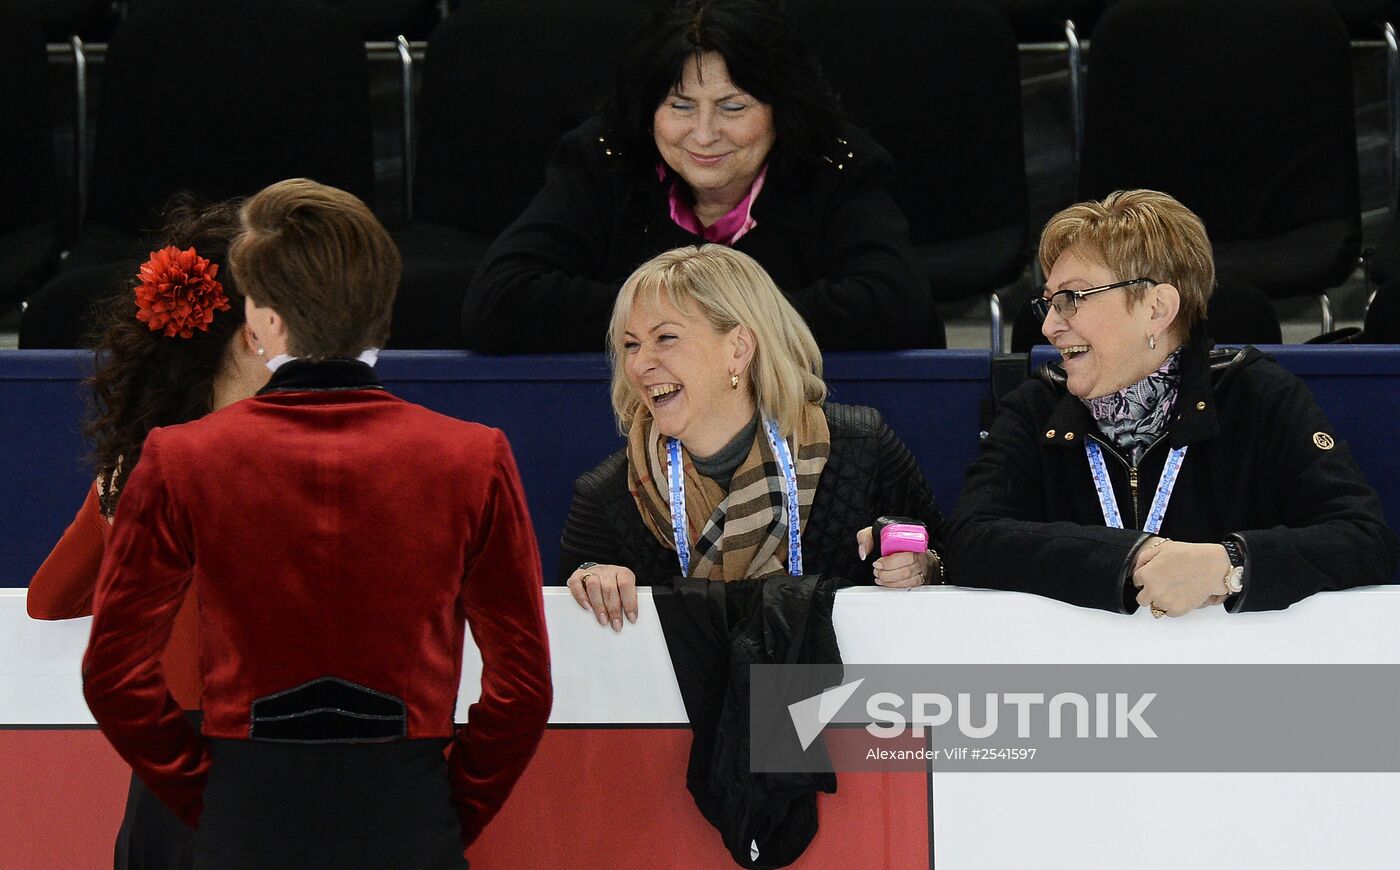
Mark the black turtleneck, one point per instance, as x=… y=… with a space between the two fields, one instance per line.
x=720 y=466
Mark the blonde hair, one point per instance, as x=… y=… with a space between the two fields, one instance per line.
x=1139 y=234
x=727 y=288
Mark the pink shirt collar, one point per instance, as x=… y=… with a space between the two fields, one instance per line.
x=728 y=229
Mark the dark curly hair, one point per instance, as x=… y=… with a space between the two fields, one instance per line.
x=765 y=56
x=144 y=379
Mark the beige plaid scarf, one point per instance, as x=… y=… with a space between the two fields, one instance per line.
x=741 y=534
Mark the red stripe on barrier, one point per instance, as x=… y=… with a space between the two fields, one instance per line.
x=608 y=797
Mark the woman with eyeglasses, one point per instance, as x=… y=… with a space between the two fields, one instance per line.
x=1147 y=468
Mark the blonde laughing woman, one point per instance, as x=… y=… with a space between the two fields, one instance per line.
x=717 y=386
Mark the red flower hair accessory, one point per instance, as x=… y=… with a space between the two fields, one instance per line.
x=179 y=292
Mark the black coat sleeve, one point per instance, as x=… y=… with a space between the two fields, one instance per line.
x=587 y=536
x=870 y=474
x=532 y=292
x=901 y=486
x=1333 y=534
x=871 y=294
x=999 y=536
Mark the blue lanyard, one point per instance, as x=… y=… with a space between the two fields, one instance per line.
x=673 y=452
x=1099 y=472
x=780 y=450
x=678 y=522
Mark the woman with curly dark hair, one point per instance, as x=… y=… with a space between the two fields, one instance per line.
x=172 y=350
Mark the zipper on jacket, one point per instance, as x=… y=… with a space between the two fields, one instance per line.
x=1132 y=486
x=1132 y=473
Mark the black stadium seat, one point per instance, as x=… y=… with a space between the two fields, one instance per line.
x=1363 y=18
x=502 y=82
x=387 y=19
x=92 y=20
x=269 y=89
x=1243 y=110
x=376 y=19
x=1044 y=20
x=28 y=241
x=944 y=97
x=1366 y=18
x=1382 y=324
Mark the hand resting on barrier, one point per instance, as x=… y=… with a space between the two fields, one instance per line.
x=610 y=591
x=1177 y=577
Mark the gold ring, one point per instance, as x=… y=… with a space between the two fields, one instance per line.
x=1158 y=613
x=584 y=578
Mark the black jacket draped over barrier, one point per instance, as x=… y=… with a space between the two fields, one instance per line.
x=830 y=236
x=868 y=474
x=714 y=632
x=1263 y=465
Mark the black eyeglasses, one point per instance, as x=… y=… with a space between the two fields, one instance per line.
x=1066 y=302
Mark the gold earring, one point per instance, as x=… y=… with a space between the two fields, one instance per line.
x=261 y=350
x=733 y=381
x=1152 y=342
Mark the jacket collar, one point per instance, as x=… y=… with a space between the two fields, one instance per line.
x=770 y=207
x=789 y=212
x=1194 y=419
x=301 y=375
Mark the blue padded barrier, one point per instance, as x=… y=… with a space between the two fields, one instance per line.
x=555 y=411
x=43 y=477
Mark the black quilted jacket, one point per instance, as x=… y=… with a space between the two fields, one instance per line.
x=869 y=473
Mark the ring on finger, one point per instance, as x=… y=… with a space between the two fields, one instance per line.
x=584 y=578
x=1157 y=612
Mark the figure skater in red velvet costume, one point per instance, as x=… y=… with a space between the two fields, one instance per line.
x=339 y=539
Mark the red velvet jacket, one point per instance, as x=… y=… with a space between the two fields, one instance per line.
x=330 y=530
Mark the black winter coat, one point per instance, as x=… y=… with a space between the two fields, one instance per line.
x=831 y=237
x=715 y=632
x=1264 y=465
x=868 y=474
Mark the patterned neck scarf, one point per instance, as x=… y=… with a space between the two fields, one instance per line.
x=741 y=534
x=1137 y=415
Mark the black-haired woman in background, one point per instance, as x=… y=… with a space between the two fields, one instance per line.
x=721 y=129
